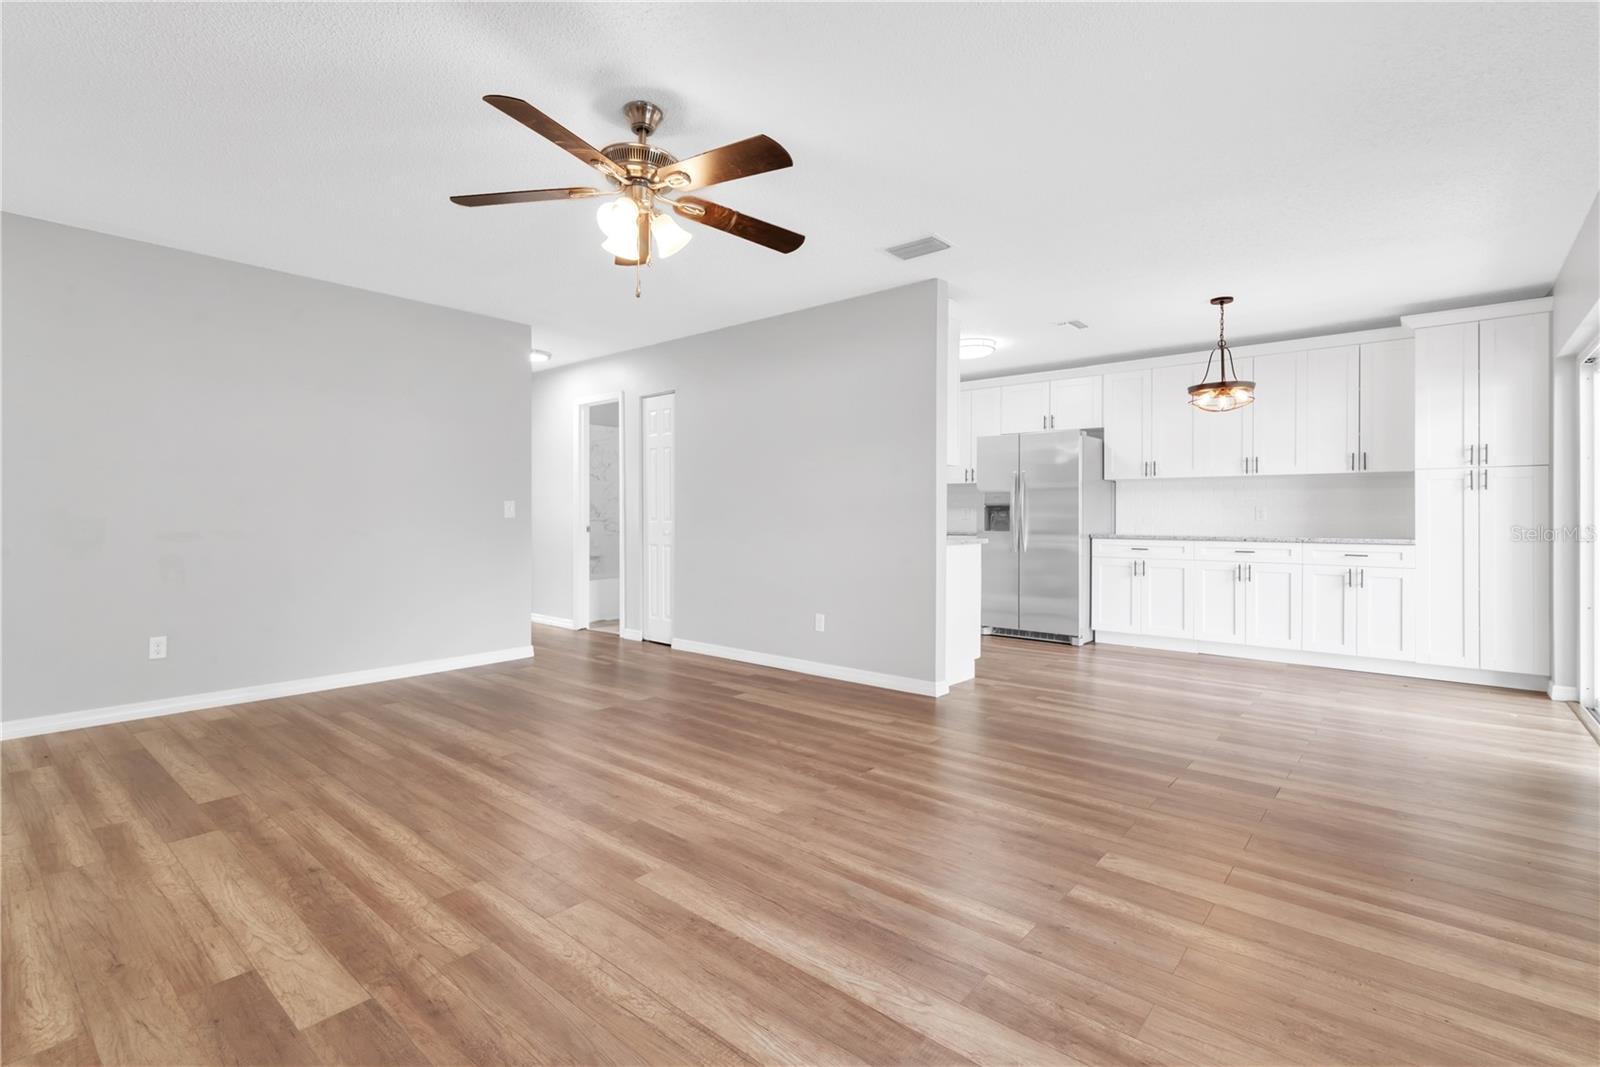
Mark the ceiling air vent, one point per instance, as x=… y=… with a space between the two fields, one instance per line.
x=922 y=246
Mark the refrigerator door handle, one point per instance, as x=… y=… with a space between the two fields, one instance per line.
x=1016 y=517
x=1022 y=502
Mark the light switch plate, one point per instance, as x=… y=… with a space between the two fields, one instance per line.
x=511 y=509
x=821 y=621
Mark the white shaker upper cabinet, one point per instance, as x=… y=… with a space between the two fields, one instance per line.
x=1275 y=415
x=1127 y=398
x=1514 y=391
x=1075 y=403
x=1222 y=438
x=1025 y=407
x=1447 y=566
x=1333 y=410
x=1388 y=406
x=982 y=421
x=1172 y=421
x=1447 y=395
x=1514 y=569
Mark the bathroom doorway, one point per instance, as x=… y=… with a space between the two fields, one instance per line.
x=597 y=562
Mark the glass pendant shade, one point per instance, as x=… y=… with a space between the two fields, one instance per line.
x=1228 y=392
x=619 y=220
x=623 y=246
x=670 y=237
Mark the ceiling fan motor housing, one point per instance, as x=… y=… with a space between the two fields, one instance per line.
x=641 y=161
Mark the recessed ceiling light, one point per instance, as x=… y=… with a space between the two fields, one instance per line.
x=977 y=347
x=538 y=355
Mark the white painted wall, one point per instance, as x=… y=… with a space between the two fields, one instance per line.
x=286 y=478
x=1319 y=505
x=810 y=466
x=1574 y=320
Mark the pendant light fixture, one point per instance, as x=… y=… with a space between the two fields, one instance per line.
x=1228 y=392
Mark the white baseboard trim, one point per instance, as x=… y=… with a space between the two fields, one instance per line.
x=631 y=635
x=551 y=620
x=1563 y=692
x=1334 y=661
x=896 y=682
x=78 y=720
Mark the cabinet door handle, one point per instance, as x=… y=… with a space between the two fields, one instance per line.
x=1486 y=454
x=1246 y=461
x=1249 y=572
x=1469 y=481
x=1363 y=461
x=1352 y=461
x=1152 y=468
x=1363 y=573
x=1350 y=578
x=1486 y=479
x=1258 y=464
x=1472 y=455
x=1238 y=572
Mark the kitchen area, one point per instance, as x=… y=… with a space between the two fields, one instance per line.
x=1364 y=503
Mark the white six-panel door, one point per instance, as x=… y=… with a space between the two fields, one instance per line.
x=660 y=507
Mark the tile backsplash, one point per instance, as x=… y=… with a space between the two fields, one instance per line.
x=1313 y=505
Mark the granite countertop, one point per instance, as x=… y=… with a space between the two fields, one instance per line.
x=965 y=539
x=1274 y=540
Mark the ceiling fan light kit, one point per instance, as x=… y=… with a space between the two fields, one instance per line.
x=1229 y=392
x=647 y=181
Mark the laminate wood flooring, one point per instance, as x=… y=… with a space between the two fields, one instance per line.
x=615 y=853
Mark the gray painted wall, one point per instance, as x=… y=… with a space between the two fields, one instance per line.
x=809 y=479
x=285 y=477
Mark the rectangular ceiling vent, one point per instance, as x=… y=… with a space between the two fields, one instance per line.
x=922 y=246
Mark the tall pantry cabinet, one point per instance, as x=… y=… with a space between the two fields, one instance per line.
x=1483 y=493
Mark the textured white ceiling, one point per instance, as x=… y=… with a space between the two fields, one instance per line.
x=1328 y=165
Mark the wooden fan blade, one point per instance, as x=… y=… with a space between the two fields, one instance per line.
x=730 y=221
x=753 y=155
x=524 y=196
x=553 y=131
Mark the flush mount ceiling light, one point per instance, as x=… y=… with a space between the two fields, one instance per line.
x=538 y=355
x=638 y=217
x=1228 y=392
x=977 y=347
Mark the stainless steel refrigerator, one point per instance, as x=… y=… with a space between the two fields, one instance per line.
x=1043 y=495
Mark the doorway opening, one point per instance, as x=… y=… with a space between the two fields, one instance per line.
x=597 y=565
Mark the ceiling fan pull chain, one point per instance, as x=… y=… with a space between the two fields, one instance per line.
x=638 y=284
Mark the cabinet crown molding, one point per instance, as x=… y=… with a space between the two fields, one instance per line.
x=1477 y=314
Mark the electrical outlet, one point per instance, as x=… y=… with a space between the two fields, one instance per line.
x=821 y=622
x=511 y=509
x=158 y=648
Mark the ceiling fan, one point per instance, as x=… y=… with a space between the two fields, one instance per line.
x=644 y=178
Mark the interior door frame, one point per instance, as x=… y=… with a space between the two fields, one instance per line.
x=580 y=509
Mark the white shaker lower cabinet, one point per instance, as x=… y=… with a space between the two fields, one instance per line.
x=1329 y=620
x=1447 y=567
x=1166 y=602
x=1514 y=570
x=1115 y=589
x=1219 y=602
x=1384 y=612
x=1272 y=608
